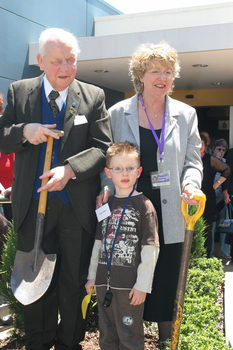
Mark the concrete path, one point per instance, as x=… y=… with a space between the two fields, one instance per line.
x=228 y=295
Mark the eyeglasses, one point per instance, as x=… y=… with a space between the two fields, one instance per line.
x=221 y=149
x=119 y=169
x=156 y=73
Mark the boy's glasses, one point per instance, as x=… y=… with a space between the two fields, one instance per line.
x=119 y=169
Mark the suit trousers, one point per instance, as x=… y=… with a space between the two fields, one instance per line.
x=63 y=234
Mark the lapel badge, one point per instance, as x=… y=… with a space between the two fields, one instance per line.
x=71 y=110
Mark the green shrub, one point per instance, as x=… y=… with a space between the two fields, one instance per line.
x=201 y=313
x=15 y=308
x=198 y=249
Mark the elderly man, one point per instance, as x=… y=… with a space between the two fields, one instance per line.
x=35 y=107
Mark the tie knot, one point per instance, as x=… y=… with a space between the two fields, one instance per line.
x=53 y=95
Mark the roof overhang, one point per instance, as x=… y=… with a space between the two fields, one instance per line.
x=104 y=59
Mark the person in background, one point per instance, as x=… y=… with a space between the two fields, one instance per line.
x=218 y=150
x=6 y=174
x=165 y=132
x=132 y=248
x=35 y=107
x=228 y=194
x=211 y=165
x=207 y=149
x=5 y=160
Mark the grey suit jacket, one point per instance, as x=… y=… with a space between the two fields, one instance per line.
x=83 y=146
x=181 y=155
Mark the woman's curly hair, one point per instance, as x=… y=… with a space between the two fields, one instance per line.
x=146 y=54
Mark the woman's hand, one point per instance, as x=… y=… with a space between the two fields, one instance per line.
x=188 y=193
x=226 y=197
x=137 y=297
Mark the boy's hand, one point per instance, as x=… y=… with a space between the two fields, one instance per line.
x=137 y=297
x=88 y=285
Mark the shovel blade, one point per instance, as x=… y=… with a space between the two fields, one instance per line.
x=29 y=285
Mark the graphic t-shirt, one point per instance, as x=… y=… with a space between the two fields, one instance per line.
x=138 y=228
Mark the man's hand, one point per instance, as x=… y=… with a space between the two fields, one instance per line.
x=102 y=198
x=59 y=177
x=137 y=297
x=188 y=193
x=37 y=133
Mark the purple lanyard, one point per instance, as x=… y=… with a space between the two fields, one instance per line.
x=160 y=144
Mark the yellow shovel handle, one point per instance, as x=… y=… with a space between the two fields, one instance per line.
x=191 y=220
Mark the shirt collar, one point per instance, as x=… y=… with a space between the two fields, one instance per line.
x=48 y=88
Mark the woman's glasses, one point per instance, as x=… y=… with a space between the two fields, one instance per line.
x=220 y=149
x=156 y=73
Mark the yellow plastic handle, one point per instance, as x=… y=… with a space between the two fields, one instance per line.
x=191 y=220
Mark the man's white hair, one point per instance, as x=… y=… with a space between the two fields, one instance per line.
x=60 y=34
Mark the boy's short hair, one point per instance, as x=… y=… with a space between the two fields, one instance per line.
x=122 y=148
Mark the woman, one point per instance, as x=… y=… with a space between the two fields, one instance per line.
x=211 y=165
x=228 y=193
x=166 y=134
x=219 y=149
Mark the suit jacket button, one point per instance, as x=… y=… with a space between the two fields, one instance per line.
x=164 y=201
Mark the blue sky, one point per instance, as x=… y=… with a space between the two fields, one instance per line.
x=135 y=6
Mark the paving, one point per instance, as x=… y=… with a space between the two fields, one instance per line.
x=228 y=295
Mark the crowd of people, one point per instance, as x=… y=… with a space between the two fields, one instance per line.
x=132 y=166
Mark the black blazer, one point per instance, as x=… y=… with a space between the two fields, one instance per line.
x=83 y=146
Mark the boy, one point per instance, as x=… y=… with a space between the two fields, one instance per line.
x=124 y=254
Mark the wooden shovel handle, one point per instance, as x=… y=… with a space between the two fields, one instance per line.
x=47 y=165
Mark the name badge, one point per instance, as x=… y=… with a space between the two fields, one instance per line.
x=160 y=179
x=103 y=212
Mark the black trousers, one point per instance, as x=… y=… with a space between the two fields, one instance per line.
x=64 y=234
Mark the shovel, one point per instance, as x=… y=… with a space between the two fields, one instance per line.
x=85 y=302
x=190 y=222
x=33 y=271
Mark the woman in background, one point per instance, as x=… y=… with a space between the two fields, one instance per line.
x=219 y=149
x=211 y=165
